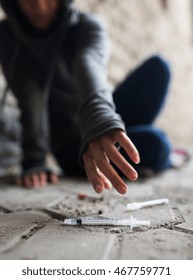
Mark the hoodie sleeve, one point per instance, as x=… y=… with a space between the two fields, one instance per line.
x=33 y=118
x=34 y=123
x=97 y=111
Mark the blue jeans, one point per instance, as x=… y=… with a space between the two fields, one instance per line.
x=139 y=100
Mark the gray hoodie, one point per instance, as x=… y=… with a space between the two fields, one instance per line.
x=68 y=62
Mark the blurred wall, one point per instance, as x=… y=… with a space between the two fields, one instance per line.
x=140 y=28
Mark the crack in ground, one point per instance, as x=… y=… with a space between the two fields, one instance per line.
x=23 y=238
x=5 y=210
x=183 y=230
x=32 y=231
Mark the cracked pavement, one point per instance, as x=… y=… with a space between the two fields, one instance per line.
x=31 y=221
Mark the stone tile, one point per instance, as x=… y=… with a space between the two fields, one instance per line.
x=71 y=205
x=17 y=199
x=57 y=241
x=187 y=212
x=15 y=226
x=158 y=244
x=177 y=195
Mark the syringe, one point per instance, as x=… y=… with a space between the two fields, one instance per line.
x=138 y=205
x=132 y=222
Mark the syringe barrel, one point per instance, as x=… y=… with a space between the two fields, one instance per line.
x=137 y=223
x=99 y=222
x=90 y=221
x=154 y=202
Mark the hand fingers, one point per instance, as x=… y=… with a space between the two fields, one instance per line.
x=107 y=183
x=42 y=179
x=35 y=180
x=27 y=181
x=112 y=175
x=95 y=159
x=97 y=165
x=96 y=177
x=128 y=146
x=53 y=178
x=106 y=168
x=32 y=180
x=114 y=155
x=93 y=174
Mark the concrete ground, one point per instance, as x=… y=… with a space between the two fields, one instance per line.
x=31 y=221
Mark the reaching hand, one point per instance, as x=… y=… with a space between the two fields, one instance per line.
x=100 y=152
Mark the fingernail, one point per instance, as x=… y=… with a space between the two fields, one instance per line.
x=98 y=188
x=134 y=176
x=123 y=189
x=137 y=159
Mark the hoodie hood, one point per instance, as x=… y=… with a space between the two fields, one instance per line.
x=21 y=25
x=10 y=5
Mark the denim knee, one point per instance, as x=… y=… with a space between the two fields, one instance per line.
x=162 y=149
x=159 y=65
x=153 y=145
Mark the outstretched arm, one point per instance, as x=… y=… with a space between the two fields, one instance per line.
x=101 y=127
